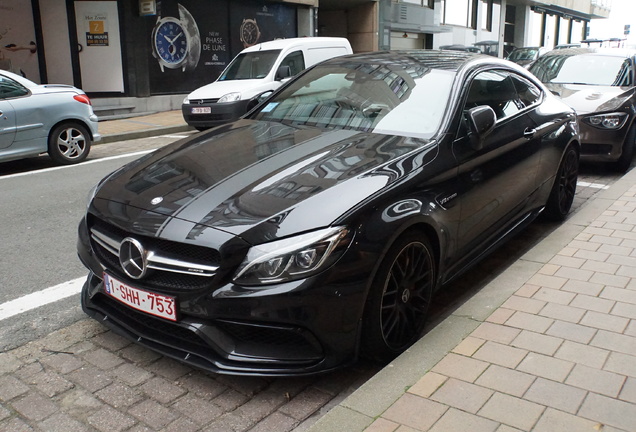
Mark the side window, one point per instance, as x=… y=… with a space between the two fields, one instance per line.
x=10 y=88
x=295 y=61
x=529 y=94
x=495 y=89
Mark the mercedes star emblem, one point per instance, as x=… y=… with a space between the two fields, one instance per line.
x=132 y=257
x=156 y=200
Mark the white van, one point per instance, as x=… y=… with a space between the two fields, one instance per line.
x=256 y=70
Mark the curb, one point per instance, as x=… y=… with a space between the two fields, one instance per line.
x=145 y=133
x=362 y=407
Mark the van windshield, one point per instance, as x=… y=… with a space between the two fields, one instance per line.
x=250 y=65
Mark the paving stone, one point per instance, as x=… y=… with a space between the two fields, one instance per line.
x=108 y=419
x=231 y=422
x=573 y=275
x=590 y=255
x=131 y=374
x=247 y=385
x=562 y=312
x=615 y=342
x=582 y=354
x=502 y=355
x=182 y=424
x=608 y=269
x=457 y=421
x=11 y=387
x=631 y=329
x=305 y=404
x=415 y=412
x=153 y=414
x=546 y=367
x=546 y=281
x=62 y=362
x=499 y=316
x=111 y=341
x=554 y=295
x=512 y=411
x=505 y=380
x=619 y=294
x=624 y=310
x=50 y=383
x=604 y=321
x=230 y=399
x=523 y=304
x=592 y=303
x=9 y=363
x=119 y=395
x=568 y=261
x=379 y=425
x=139 y=354
x=610 y=279
x=556 y=395
x=103 y=359
x=79 y=403
x=15 y=425
x=35 y=407
x=202 y=385
x=526 y=321
x=4 y=413
x=28 y=370
x=609 y=411
x=62 y=422
x=553 y=420
x=90 y=378
x=536 y=342
x=595 y=380
x=628 y=393
x=428 y=384
x=584 y=287
x=460 y=367
x=161 y=390
x=622 y=364
x=169 y=369
x=495 y=332
x=462 y=395
x=527 y=290
x=470 y=345
x=201 y=411
x=570 y=331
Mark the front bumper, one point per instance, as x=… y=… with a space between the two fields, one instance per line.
x=220 y=113
x=598 y=145
x=298 y=328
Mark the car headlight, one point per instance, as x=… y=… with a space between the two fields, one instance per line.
x=230 y=97
x=293 y=258
x=606 y=121
x=186 y=101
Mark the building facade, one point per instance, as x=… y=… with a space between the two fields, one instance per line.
x=146 y=54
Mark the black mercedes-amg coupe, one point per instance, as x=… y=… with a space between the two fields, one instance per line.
x=318 y=227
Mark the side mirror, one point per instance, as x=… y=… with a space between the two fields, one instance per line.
x=282 y=72
x=481 y=121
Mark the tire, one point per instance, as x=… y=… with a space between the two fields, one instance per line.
x=201 y=128
x=400 y=295
x=625 y=161
x=69 y=143
x=564 y=188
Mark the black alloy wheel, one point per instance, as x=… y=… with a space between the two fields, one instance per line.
x=564 y=188
x=400 y=297
x=625 y=160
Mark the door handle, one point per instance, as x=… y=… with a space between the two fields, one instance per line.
x=529 y=133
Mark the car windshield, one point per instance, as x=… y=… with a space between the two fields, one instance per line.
x=523 y=54
x=589 y=69
x=388 y=99
x=250 y=65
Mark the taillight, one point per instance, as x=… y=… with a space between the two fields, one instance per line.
x=82 y=98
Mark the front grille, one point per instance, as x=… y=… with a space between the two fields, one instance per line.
x=203 y=101
x=173 y=266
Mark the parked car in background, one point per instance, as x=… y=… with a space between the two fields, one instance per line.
x=319 y=225
x=599 y=85
x=256 y=70
x=459 y=47
x=526 y=56
x=568 y=45
x=51 y=118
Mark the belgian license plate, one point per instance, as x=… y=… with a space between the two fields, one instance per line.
x=201 y=110
x=142 y=300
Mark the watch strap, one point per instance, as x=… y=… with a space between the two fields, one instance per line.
x=168 y=8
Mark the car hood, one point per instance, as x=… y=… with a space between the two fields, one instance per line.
x=258 y=180
x=586 y=99
x=247 y=88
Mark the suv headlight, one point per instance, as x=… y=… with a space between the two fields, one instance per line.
x=293 y=258
x=610 y=121
x=230 y=97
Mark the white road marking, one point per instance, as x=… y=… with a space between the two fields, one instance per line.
x=44 y=170
x=41 y=298
x=592 y=185
x=173 y=136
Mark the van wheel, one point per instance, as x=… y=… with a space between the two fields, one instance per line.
x=399 y=298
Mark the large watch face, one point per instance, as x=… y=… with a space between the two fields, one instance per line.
x=171 y=42
x=249 y=32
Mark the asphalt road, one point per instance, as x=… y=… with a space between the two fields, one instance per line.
x=42 y=205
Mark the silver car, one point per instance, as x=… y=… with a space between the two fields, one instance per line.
x=51 y=118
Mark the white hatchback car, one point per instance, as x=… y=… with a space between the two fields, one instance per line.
x=51 y=118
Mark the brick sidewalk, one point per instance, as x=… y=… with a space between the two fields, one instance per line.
x=558 y=355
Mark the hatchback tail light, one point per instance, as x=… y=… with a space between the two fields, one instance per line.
x=82 y=98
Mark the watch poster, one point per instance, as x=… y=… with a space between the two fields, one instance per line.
x=18 y=49
x=216 y=32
